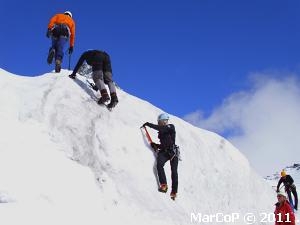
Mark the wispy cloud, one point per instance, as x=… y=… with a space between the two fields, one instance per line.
x=263 y=122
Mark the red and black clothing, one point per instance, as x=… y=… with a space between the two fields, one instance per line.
x=284 y=214
x=289 y=188
x=167 y=137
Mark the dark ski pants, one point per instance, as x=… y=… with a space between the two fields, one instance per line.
x=101 y=79
x=162 y=158
x=289 y=192
x=58 y=43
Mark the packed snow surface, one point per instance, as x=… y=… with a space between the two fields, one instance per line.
x=66 y=160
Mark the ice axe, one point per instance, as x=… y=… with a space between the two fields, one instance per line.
x=149 y=139
x=93 y=86
x=69 y=62
x=275 y=187
x=147 y=135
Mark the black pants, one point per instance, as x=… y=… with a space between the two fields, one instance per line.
x=101 y=61
x=106 y=63
x=162 y=158
x=293 y=190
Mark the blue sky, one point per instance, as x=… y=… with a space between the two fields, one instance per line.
x=179 y=55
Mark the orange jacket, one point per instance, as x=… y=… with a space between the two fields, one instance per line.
x=64 y=19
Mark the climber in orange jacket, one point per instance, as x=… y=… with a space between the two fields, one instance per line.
x=61 y=28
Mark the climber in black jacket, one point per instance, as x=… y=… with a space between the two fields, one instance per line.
x=167 y=150
x=102 y=74
x=290 y=187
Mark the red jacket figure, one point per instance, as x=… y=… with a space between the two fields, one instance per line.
x=284 y=214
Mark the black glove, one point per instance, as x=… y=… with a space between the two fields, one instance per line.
x=145 y=124
x=72 y=76
x=71 y=50
x=95 y=88
x=48 y=34
x=154 y=146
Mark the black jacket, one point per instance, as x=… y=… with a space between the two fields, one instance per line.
x=287 y=181
x=166 y=135
x=61 y=30
x=94 y=58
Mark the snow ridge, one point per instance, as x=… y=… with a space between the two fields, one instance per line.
x=62 y=154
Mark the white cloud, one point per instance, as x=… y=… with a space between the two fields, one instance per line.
x=263 y=122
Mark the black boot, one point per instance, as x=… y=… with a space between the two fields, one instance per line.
x=50 y=55
x=57 y=65
x=104 y=97
x=114 y=100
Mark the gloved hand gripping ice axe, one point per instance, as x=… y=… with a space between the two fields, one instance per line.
x=147 y=135
x=152 y=144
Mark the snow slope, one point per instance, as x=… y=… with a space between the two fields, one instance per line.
x=66 y=160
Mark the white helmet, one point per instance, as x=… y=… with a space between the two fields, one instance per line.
x=281 y=193
x=163 y=116
x=68 y=13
